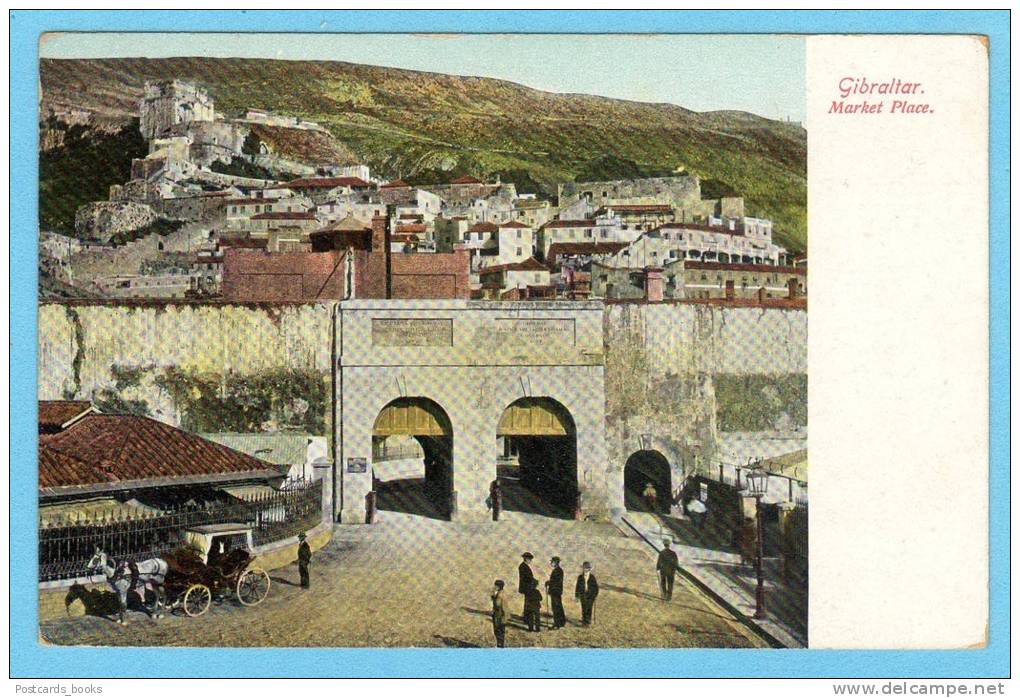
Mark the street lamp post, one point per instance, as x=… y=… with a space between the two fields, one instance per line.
x=757 y=484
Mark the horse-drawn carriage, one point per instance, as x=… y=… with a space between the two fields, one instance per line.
x=215 y=561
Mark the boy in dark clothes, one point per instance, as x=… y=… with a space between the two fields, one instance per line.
x=533 y=607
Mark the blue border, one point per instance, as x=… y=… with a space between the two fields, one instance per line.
x=30 y=659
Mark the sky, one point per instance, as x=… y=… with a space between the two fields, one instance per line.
x=763 y=74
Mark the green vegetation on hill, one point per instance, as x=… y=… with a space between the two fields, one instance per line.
x=82 y=170
x=427 y=127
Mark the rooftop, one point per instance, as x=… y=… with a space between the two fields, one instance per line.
x=570 y=224
x=639 y=208
x=56 y=414
x=284 y=216
x=483 y=227
x=529 y=264
x=326 y=182
x=109 y=452
x=584 y=248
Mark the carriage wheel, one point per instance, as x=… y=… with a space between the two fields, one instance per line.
x=252 y=586
x=197 y=600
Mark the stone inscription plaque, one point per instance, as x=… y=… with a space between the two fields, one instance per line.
x=412 y=332
x=536 y=332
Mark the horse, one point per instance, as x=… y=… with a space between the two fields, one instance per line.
x=125 y=577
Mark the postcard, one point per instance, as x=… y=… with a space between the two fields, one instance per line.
x=365 y=340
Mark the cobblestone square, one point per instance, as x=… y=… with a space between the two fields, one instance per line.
x=412 y=581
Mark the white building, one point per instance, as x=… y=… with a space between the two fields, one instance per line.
x=583 y=230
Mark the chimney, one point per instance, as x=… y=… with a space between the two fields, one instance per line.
x=730 y=290
x=653 y=284
x=381 y=247
x=793 y=286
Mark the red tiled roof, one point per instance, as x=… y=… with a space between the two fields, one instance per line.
x=586 y=248
x=403 y=237
x=570 y=224
x=529 y=264
x=109 y=452
x=54 y=414
x=230 y=202
x=243 y=242
x=411 y=216
x=466 y=179
x=326 y=182
x=410 y=228
x=284 y=216
x=698 y=226
x=513 y=224
x=640 y=208
x=395 y=184
x=723 y=266
x=348 y=224
x=483 y=227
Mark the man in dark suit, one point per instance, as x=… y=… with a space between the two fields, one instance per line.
x=586 y=591
x=667 y=566
x=525 y=575
x=554 y=588
x=304 y=558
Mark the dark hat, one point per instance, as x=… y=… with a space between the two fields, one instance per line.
x=301 y=536
x=500 y=583
x=586 y=566
x=528 y=556
x=555 y=559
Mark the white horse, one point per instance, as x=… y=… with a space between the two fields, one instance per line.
x=139 y=578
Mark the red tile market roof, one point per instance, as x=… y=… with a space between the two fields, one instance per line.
x=109 y=452
x=54 y=414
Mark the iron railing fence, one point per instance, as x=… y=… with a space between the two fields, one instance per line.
x=66 y=548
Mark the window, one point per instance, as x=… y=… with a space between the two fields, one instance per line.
x=518 y=251
x=588 y=233
x=518 y=234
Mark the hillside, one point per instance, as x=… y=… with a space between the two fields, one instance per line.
x=429 y=127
